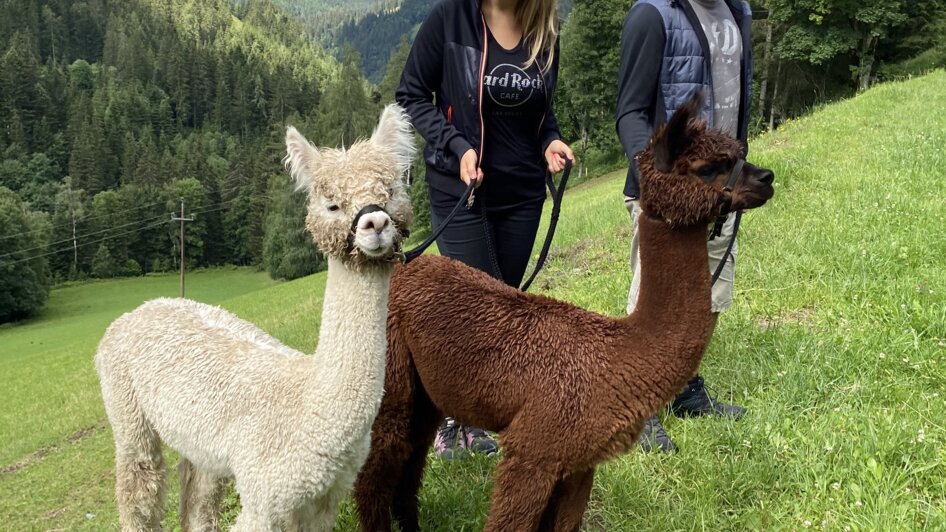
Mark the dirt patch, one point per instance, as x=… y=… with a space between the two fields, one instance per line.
x=53 y=514
x=36 y=456
x=803 y=316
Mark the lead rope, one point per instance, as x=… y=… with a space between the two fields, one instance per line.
x=557 y=194
x=728 y=253
x=721 y=220
x=464 y=200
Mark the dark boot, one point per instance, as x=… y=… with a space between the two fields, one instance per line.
x=654 y=438
x=695 y=400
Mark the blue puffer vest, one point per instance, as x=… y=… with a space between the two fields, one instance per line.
x=685 y=67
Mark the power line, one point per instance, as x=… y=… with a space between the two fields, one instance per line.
x=70 y=239
x=152 y=226
x=96 y=217
x=214 y=207
x=87 y=218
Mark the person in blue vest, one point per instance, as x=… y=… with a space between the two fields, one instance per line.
x=669 y=49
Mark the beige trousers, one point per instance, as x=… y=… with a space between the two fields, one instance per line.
x=722 y=290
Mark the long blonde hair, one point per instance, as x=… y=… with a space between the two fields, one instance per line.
x=539 y=22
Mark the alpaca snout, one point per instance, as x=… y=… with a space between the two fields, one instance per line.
x=373 y=232
x=376 y=221
x=756 y=190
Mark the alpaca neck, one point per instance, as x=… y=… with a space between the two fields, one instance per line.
x=672 y=322
x=349 y=359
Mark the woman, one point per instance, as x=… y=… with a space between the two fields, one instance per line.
x=493 y=66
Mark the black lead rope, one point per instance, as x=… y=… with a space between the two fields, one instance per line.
x=557 y=194
x=726 y=255
x=721 y=220
x=419 y=250
x=465 y=200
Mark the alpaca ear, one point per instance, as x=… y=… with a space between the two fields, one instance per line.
x=394 y=133
x=300 y=156
x=672 y=139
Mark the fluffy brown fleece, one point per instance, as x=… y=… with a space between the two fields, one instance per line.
x=566 y=388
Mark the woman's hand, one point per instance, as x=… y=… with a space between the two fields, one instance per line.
x=556 y=154
x=469 y=170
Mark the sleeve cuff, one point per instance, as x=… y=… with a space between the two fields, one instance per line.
x=459 y=146
x=550 y=138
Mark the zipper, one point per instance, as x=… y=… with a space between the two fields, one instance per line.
x=479 y=102
x=548 y=104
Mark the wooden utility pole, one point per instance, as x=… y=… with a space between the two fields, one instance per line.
x=182 y=220
x=75 y=245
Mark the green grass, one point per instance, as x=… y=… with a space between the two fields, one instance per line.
x=55 y=447
x=836 y=343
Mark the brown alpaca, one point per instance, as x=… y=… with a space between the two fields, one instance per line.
x=566 y=388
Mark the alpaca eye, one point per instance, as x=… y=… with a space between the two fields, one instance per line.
x=332 y=207
x=708 y=172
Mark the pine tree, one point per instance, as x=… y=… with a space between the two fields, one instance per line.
x=288 y=250
x=24 y=271
x=346 y=114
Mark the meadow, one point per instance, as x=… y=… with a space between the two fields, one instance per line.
x=836 y=343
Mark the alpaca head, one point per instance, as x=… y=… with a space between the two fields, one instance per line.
x=685 y=167
x=358 y=206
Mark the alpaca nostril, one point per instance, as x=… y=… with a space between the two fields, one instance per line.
x=767 y=177
x=375 y=222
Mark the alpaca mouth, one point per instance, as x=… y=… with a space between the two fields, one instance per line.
x=375 y=245
x=372 y=233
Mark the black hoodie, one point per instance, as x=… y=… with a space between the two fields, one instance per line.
x=447 y=59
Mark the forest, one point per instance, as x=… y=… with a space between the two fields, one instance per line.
x=117 y=111
x=118 y=114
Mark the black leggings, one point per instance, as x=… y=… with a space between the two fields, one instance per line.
x=512 y=230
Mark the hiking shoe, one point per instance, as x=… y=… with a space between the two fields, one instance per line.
x=479 y=441
x=695 y=400
x=654 y=438
x=448 y=444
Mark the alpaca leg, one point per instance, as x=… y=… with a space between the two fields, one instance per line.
x=390 y=438
x=568 y=502
x=303 y=519
x=139 y=464
x=255 y=516
x=424 y=424
x=521 y=493
x=200 y=498
x=325 y=512
x=377 y=481
x=255 y=522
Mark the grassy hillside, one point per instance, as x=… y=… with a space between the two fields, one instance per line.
x=836 y=343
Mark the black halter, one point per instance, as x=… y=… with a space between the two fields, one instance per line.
x=727 y=187
x=721 y=219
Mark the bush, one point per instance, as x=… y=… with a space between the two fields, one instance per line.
x=159 y=265
x=24 y=272
x=420 y=202
x=288 y=250
x=103 y=265
x=132 y=268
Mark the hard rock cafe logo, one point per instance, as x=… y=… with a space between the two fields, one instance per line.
x=510 y=86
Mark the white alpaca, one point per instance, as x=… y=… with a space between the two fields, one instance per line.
x=291 y=430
